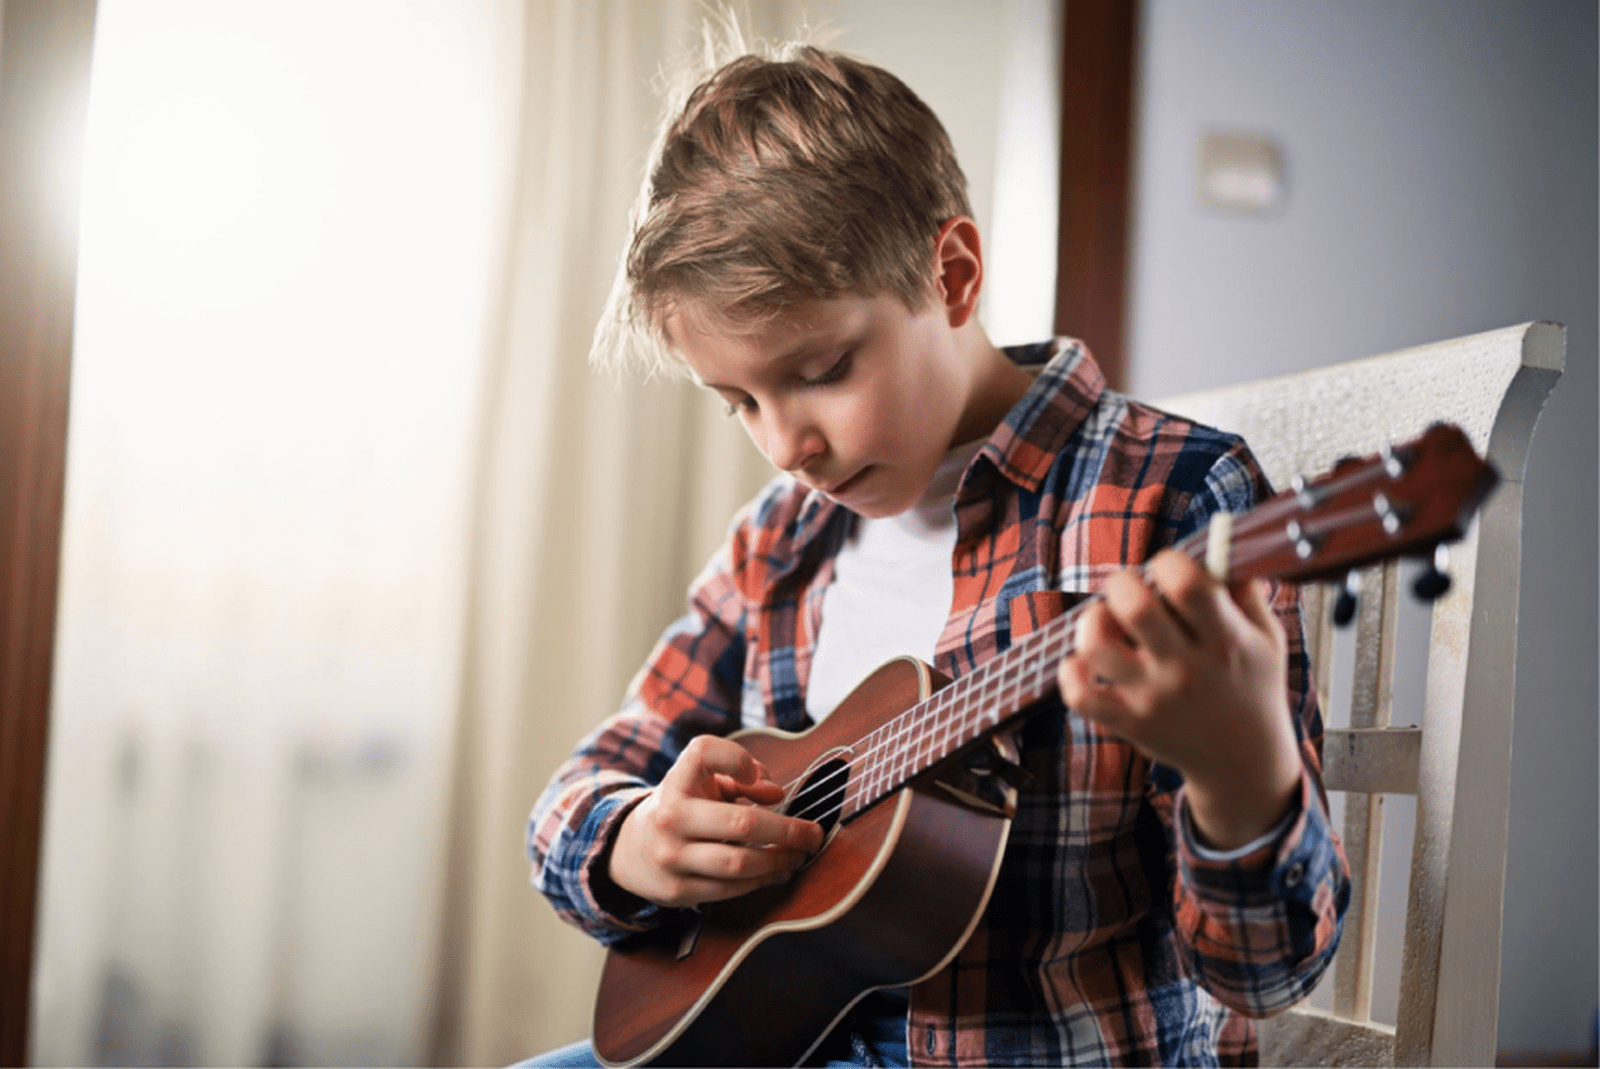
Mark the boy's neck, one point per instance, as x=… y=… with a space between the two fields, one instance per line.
x=996 y=385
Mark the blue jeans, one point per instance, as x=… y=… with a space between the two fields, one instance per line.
x=874 y=1034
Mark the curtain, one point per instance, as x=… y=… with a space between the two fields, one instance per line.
x=597 y=502
x=290 y=213
x=356 y=547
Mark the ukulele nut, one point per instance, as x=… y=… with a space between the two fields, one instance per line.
x=1219 y=545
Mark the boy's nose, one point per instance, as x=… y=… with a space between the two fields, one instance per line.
x=792 y=444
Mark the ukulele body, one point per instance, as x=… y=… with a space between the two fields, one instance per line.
x=888 y=901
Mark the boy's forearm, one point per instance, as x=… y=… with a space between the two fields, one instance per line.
x=1230 y=812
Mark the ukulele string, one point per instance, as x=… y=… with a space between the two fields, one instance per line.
x=1260 y=539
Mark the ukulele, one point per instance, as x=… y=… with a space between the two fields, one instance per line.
x=876 y=775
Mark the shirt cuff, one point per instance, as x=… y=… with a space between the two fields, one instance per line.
x=1287 y=863
x=596 y=900
x=1207 y=853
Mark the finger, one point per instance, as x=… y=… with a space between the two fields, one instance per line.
x=1193 y=596
x=728 y=863
x=1254 y=596
x=708 y=821
x=1081 y=692
x=1104 y=647
x=695 y=770
x=762 y=792
x=1141 y=613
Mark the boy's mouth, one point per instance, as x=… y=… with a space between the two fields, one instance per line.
x=849 y=483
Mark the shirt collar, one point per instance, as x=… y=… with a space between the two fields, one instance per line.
x=1024 y=447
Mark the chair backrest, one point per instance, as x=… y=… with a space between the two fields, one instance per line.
x=1458 y=763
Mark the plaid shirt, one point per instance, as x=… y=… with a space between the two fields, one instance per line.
x=1108 y=939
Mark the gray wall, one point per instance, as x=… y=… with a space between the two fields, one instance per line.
x=1441 y=172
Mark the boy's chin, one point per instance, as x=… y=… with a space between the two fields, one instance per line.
x=877 y=508
x=872 y=493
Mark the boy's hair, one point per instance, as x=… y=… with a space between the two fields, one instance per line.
x=805 y=176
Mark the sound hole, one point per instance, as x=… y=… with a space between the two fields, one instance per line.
x=821 y=797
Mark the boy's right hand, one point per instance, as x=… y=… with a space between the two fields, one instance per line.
x=701 y=835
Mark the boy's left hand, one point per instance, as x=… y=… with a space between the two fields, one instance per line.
x=1193 y=673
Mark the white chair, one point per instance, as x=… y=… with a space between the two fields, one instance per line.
x=1458 y=763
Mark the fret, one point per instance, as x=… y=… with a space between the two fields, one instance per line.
x=913 y=745
x=886 y=759
x=964 y=710
x=1010 y=691
x=861 y=779
x=880 y=774
x=902 y=747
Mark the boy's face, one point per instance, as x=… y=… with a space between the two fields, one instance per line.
x=858 y=397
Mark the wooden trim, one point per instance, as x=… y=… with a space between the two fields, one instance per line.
x=44 y=78
x=1098 y=78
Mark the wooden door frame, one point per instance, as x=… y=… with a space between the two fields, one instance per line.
x=44 y=79
x=1099 y=80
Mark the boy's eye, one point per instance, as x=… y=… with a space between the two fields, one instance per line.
x=833 y=374
x=744 y=404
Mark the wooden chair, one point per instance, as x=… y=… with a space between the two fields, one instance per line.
x=1458 y=763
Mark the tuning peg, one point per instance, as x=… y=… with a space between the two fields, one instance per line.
x=1396 y=459
x=1434 y=581
x=1344 y=607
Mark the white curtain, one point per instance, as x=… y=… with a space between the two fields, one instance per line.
x=290 y=221
x=596 y=504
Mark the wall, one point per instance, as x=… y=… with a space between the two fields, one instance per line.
x=1441 y=173
x=990 y=71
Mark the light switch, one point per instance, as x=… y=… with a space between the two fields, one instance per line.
x=1240 y=173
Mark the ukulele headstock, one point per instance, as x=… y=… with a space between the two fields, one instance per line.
x=1406 y=501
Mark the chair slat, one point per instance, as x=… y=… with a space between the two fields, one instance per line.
x=1372 y=690
x=1314 y=611
x=1355 y=964
x=1372 y=760
x=1304 y=1036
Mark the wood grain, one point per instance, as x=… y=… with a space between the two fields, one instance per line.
x=44 y=78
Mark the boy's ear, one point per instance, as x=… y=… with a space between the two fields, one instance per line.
x=958 y=269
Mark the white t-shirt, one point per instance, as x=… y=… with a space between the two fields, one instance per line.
x=891 y=589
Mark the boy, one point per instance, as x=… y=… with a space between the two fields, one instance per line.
x=806 y=251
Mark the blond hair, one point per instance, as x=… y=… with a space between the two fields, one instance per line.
x=802 y=175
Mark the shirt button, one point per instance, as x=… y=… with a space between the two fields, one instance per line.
x=1296 y=873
